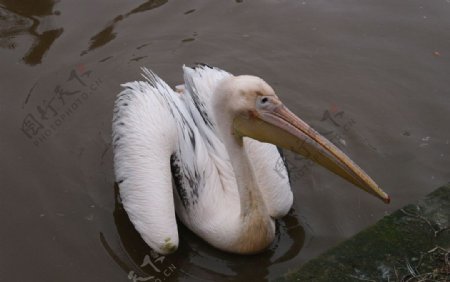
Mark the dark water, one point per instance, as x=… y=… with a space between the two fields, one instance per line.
x=373 y=76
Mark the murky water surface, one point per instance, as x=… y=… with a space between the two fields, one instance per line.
x=372 y=76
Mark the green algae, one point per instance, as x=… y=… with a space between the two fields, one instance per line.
x=411 y=244
x=169 y=247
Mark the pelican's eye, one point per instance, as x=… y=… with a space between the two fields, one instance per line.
x=264 y=102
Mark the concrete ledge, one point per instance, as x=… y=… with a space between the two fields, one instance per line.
x=411 y=244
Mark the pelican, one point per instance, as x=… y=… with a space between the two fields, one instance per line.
x=207 y=152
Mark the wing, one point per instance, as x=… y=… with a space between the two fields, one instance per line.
x=268 y=165
x=152 y=134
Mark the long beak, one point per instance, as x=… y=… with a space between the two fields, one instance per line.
x=281 y=127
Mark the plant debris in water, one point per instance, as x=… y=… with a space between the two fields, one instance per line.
x=433 y=265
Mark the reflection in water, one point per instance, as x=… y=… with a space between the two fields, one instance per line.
x=102 y=37
x=189 y=12
x=189 y=39
x=108 y=34
x=41 y=46
x=10 y=25
x=195 y=259
x=21 y=13
x=30 y=8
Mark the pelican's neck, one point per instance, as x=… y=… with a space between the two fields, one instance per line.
x=256 y=227
x=251 y=199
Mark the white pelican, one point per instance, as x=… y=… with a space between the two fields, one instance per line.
x=188 y=153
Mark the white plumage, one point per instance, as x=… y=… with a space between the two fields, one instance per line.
x=158 y=132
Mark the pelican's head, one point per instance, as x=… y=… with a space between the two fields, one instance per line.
x=241 y=95
x=257 y=112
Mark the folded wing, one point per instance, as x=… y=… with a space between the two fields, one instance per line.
x=145 y=137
